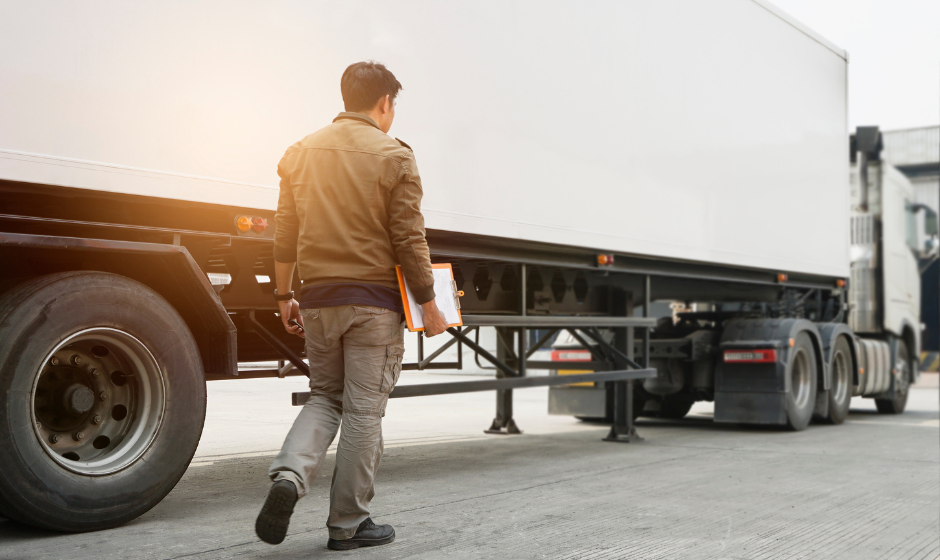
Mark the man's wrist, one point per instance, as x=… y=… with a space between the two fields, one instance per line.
x=283 y=296
x=423 y=294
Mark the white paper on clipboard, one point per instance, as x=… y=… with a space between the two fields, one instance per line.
x=445 y=295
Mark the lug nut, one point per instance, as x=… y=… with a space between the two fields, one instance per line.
x=54 y=361
x=79 y=436
x=38 y=425
x=76 y=360
x=103 y=396
x=54 y=438
x=95 y=372
x=95 y=419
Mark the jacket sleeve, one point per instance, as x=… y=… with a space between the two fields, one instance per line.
x=287 y=225
x=406 y=231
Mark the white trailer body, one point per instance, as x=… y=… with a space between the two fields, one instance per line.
x=584 y=164
x=662 y=129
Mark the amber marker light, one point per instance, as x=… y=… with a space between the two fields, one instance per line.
x=840 y=283
x=605 y=260
x=243 y=223
x=782 y=278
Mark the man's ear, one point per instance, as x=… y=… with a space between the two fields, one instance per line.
x=386 y=104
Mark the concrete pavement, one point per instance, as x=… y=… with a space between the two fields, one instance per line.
x=866 y=489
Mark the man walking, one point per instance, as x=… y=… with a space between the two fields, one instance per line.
x=348 y=212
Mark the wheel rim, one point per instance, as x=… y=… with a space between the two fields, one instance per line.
x=840 y=377
x=799 y=379
x=901 y=367
x=98 y=401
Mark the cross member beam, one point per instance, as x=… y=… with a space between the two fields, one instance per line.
x=505 y=383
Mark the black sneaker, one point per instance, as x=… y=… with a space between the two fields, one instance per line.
x=274 y=518
x=368 y=534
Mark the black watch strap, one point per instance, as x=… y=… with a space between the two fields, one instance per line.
x=286 y=297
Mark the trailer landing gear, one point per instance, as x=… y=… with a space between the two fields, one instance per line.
x=623 y=430
x=502 y=426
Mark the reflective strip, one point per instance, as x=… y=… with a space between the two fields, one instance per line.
x=750 y=356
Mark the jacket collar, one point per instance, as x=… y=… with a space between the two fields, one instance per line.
x=359 y=116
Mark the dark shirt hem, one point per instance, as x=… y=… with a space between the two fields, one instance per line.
x=332 y=295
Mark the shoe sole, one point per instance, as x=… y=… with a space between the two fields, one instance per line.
x=350 y=544
x=271 y=525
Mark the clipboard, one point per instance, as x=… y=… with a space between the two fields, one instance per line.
x=446 y=295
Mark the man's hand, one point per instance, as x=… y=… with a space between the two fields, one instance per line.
x=283 y=278
x=434 y=323
x=291 y=310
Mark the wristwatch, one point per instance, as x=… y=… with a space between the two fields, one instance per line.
x=286 y=297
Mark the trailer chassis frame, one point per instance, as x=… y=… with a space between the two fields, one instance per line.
x=511 y=372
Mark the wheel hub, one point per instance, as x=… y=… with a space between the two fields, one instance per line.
x=900 y=371
x=79 y=399
x=800 y=378
x=840 y=377
x=98 y=401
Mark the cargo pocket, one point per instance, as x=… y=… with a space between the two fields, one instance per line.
x=392 y=370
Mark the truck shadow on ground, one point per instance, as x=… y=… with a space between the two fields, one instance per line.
x=699 y=423
x=234 y=489
x=906 y=417
x=211 y=512
x=12 y=530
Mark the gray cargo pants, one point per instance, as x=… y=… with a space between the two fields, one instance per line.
x=355 y=354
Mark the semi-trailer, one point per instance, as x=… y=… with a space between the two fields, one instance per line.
x=581 y=162
x=867 y=328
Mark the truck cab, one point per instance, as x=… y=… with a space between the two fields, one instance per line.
x=890 y=234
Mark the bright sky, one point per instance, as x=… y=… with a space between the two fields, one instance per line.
x=894 y=56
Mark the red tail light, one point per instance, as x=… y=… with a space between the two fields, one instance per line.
x=259 y=224
x=571 y=356
x=750 y=356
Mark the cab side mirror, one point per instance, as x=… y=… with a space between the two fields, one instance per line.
x=930 y=222
x=931 y=245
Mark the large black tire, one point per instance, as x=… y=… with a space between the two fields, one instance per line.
x=675 y=406
x=164 y=392
x=840 y=387
x=902 y=383
x=801 y=373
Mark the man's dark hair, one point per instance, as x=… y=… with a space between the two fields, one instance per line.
x=364 y=83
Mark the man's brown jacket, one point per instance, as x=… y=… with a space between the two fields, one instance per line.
x=349 y=208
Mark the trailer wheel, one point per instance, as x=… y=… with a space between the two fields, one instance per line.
x=675 y=406
x=840 y=389
x=102 y=400
x=902 y=382
x=801 y=370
